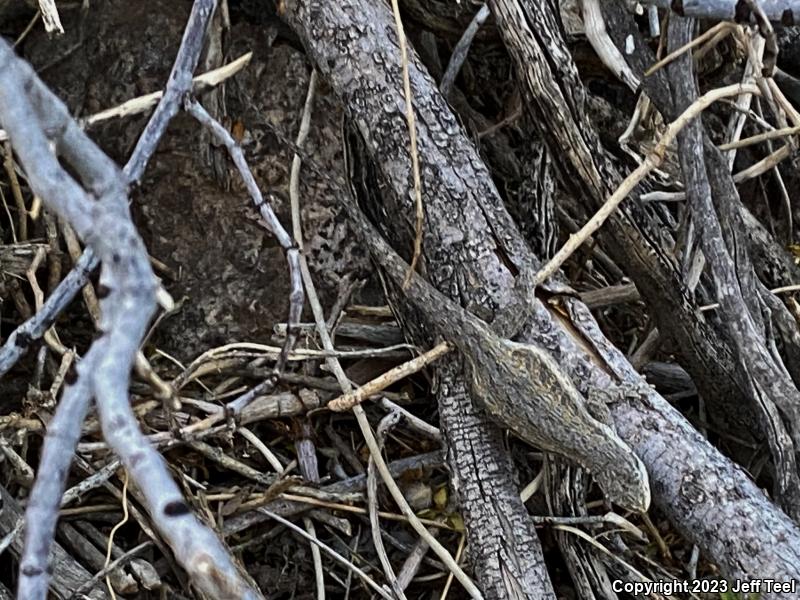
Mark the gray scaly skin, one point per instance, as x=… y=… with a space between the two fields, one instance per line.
x=519 y=385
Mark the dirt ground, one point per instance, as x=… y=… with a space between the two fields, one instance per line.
x=225 y=270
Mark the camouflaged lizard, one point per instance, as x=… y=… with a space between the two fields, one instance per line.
x=520 y=386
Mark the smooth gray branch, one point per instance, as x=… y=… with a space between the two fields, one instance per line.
x=179 y=83
x=296 y=296
x=20 y=339
x=98 y=210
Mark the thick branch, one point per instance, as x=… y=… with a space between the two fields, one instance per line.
x=355 y=46
x=785 y=11
x=467 y=228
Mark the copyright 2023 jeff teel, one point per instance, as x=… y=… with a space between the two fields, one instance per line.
x=669 y=587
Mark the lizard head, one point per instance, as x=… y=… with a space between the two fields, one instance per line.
x=626 y=483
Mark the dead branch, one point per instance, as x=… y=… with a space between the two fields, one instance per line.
x=27 y=111
x=473 y=204
x=785 y=11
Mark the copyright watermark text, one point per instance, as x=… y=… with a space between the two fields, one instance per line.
x=669 y=587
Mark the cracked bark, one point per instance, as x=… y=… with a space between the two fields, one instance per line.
x=350 y=39
x=472 y=250
x=636 y=236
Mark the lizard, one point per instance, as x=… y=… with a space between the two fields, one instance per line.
x=520 y=386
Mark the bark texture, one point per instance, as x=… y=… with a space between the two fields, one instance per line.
x=637 y=236
x=473 y=251
x=347 y=40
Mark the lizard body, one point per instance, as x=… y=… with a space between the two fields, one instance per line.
x=519 y=385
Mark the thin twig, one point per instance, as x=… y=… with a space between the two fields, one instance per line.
x=202 y=83
x=462 y=542
x=386 y=424
x=273 y=224
x=380 y=383
x=319 y=575
x=693 y=44
x=28 y=28
x=462 y=49
x=22 y=211
x=330 y=551
x=412 y=420
x=18 y=342
x=116 y=527
x=118 y=562
x=761 y=137
x=651 y=161
x=412 y=132
x=294 y=175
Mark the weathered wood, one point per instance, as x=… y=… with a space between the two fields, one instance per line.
x=608 y=296
x=67 y=573
x=518 y=385
x=773 y=265
x=668 y=377
x=355 y=46
x=16 y=259
x=472 y=249
x=708 y=499
x=784 y=11
x=637 y=236
x=713 y=206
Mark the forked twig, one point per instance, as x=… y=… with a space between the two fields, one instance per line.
x=179 y=82
x=296 y=297
x=651 y=161
x=34 y=328
x=28 y=110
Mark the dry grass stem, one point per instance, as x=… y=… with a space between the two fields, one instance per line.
x=412 y=133
x=347 y=401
